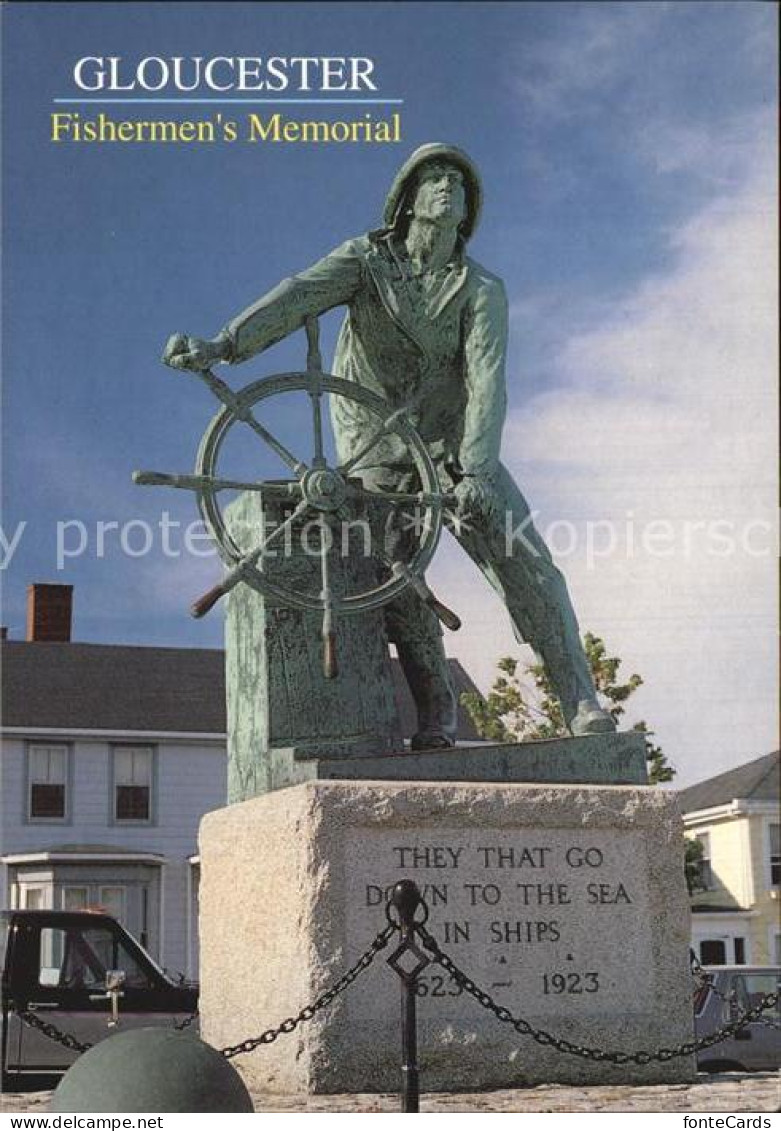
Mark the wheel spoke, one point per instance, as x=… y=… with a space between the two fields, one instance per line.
x=297 y=466
x=399 y=569
x=212 y=483
x=314 y=368
x=231 y=400
x=327 y=596
x=235 y=575
x=386 y=426
x=254 y=556
x=423 y=498
x=315 y=394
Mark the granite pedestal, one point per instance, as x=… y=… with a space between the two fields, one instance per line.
x=566 y=902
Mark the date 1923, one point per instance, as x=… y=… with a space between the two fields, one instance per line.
x=571 y=983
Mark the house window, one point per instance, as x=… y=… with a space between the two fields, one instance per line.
x=47 y=775
x=75 y=898
x=713 y=952
x=133 y=783
x=703 y=870
x=112 y=901
x=32 y=898
x=775 y=855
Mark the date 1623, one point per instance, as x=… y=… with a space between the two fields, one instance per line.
x=571 y=983
x=435 y=985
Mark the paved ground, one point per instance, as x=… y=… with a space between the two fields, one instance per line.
x=730 y=1092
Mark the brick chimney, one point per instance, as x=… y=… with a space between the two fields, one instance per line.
x=49 y=609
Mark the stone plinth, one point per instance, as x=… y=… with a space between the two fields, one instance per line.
x=599 y=759
x=567 y=903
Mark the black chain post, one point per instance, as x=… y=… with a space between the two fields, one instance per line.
x=406 y=899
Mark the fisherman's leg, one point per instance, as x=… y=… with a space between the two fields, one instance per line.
x=416 y=632
x=414 y=629
x=515 y=560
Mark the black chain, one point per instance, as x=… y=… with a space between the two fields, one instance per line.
x=325 y=999
x=287 y=1026
x=185 y=1024
x=52 y=1032
x=69 y=1042
x=584 y=1051
x=541 y=1036
x=707 y=981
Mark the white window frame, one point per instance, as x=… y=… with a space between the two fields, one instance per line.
x=768 y=855
x=25 y=888
x=66 y=750
x=151 y=751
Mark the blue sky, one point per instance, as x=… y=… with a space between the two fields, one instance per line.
x=628 y=156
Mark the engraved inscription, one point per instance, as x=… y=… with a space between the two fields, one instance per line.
x=547 y=921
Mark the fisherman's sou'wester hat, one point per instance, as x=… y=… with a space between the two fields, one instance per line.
x=398 y=197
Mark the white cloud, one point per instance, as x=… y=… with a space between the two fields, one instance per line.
x=557 y=76
x=680 y=371
x=716 y=152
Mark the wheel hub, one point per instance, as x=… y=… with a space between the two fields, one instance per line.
x=324 y=489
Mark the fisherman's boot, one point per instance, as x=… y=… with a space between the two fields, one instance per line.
x=574 y=687
x=590 y=718
x=569 y=673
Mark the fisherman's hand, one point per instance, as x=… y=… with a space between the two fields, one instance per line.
x=183 y=352
x=476 y=497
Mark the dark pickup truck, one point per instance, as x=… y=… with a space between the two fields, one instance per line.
x=728 y=992
x=83 y=973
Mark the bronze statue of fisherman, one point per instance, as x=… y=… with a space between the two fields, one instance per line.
x=426 y=327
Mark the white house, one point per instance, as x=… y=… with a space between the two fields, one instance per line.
x=736 y=817
x=110 y=757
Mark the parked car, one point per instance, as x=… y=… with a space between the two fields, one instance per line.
x=734 y=990
x=82 y=972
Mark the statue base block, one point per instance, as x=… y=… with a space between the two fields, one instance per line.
x=566 y=903
x=597 y=759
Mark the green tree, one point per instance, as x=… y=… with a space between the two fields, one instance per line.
x=524 y=706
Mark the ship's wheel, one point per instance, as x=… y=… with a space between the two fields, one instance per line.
x=316 y=490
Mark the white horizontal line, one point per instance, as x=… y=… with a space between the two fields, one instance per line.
x=218 y=738
x=232 y=101
x=59 y=856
